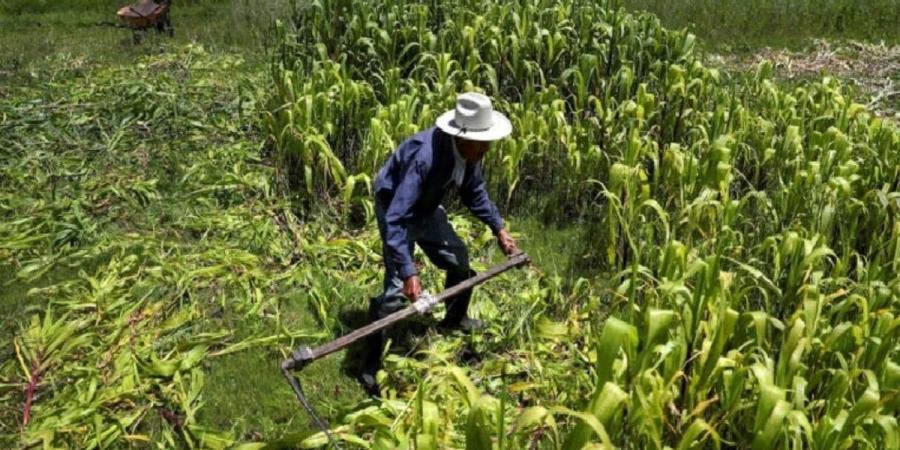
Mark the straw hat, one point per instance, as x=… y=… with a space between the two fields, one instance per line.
x=475 y=119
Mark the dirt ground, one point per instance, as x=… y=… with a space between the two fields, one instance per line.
x=872 y=69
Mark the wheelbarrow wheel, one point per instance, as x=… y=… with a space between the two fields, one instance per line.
x=165 y=25
x=139 y=35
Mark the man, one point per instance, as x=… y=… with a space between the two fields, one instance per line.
x=408 y=193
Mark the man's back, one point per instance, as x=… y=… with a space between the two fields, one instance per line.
x=427 y=156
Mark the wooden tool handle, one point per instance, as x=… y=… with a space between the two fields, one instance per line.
x=380 y=324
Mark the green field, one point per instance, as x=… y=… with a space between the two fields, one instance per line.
x=742 y=25
x=716 y=253
x=43 y=35
x=34 y=29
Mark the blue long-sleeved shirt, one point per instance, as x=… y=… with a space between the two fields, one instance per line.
x=412 y=184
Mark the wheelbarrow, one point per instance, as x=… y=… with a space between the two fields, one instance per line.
x=146 y=14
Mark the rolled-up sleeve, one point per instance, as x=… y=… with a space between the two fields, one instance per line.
x=474 y=195
x=398 y=215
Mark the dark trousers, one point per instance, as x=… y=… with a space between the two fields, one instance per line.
x=436 y=237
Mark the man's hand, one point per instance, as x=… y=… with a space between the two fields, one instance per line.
x=507 y=243
x=412 y=288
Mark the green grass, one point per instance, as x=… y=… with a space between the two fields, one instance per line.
x=188 y=121
x=51 y=35
x=557 y=249
x=17 y=7
x=247 y=394
x=741 y=25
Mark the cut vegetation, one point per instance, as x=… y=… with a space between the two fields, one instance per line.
x=717 y=254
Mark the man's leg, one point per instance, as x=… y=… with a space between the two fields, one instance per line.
x=446 y=250
x=391 y=300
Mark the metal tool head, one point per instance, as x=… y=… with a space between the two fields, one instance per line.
x=425 y=303
x=301 y=356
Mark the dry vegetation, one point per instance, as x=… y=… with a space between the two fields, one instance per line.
x=874 y=69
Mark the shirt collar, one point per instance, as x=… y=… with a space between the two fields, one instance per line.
x=459 y=164
x=456 y=156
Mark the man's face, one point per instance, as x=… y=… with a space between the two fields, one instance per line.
x=472 y=151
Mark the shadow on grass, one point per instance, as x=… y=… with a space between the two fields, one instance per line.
x=405 y=338
x=355 y=355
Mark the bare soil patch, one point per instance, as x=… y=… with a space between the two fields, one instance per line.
x=873 y=69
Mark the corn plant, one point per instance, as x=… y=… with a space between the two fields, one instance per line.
x=744 y=235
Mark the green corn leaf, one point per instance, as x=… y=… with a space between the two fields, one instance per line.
x=891 y=431
x=595 y=427
x=530 y=417
x=546 y=328
x=659 y=322
x=697 y=434
x=478 y=428
x=772 y=427
x=616 y=335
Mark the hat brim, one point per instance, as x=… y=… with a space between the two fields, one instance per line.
x=501 y=129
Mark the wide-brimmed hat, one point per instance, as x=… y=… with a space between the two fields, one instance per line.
x=475 y=119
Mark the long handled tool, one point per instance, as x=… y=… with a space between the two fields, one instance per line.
x=303 y=355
